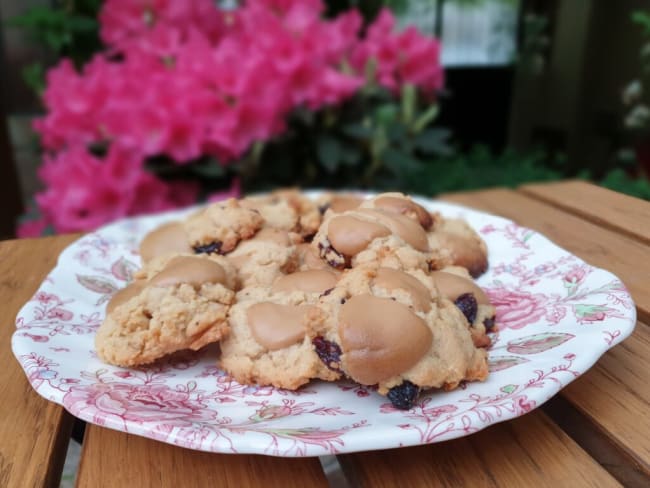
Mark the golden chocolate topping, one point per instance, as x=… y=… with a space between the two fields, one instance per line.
x=391 y=279
x=309 y=257
x=349 y=235
x=343 y=203
x=464 y=251
x=311 y=281
x=406 y=207
x=167 y=239
x=380 y=338
x=277 y=326
x=404 y=227
x=192 y=270
x=451 y=286
x=124 y=295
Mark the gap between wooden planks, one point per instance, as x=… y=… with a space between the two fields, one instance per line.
x=614 y=396
x=526 y=451
x=34 y=432
x=115 y=459
x=622 y=213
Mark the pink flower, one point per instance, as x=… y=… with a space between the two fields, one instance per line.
x=119 y=402
x=516 y=309
x=84 y=192
x=523 y=405
x=31 y=228
x=406 y=57
x=575 y=275
x=60 y=313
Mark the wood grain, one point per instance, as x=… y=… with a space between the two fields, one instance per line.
x=621 y=213
x=528 y=451
x=116 y=459
x=615 y=396
x=34 y=432
x=625 y=257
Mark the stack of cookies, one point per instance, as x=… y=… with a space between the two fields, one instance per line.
x=378 y=290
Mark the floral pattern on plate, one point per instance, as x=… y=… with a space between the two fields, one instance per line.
x=556 y=315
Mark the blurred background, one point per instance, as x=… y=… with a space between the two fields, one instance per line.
x=534 y=90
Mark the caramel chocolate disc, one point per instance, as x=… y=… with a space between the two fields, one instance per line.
x=405 y=207
x=391 y=279
x=167 y=239
x=124 y=295
x=311 y=281
x=451 y=286
x=192 y=270
x=407 y=229
x=380 y=338
x=464 y=252
x=276 y=326
x=309 y=257
x=343 y=203
x=350 y=236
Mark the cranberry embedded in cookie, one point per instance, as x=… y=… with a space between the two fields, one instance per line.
x=221 y=226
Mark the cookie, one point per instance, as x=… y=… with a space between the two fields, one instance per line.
x=287 y=210
x=219 y=227
x=459 y=245
x=329 y=203
x=271 y=333
x=394 y=331
x=403 y=205
x=184 y=306
x=455 y=284
x=265 y=257
x=168 y=239
x=369 y=235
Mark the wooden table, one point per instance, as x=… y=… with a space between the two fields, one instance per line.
x=596 y=432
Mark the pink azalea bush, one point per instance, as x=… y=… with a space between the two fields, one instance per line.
x=185 y=80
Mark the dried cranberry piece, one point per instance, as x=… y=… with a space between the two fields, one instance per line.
x=489 y=324
x=209 y=248
x=468 y=305
x=403 y=396
x=326 y=292
x=329 y=352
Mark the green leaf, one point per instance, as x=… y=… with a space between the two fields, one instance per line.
x=357 y=130
x=350 y=155
x=396 y=132
x=434 y=141
x=409 y=102
x=329 y=152
x=425 y=118
x=400 y=162
x=34 y=76
x=508 y=389
x=208 y=169
x=386 y=113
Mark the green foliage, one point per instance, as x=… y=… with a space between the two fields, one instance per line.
x=620 y=181
x=480 y=168
x=66 y=28
x=642 y=18
x=374 y=140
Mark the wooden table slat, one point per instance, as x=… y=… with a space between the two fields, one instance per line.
x=614 y=395
x=625 y=257
x=528 y=451
x=34 y=432
x=115 y=459
x=621 y=213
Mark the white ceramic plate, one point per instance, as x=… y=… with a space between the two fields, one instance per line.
x=556 y=315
